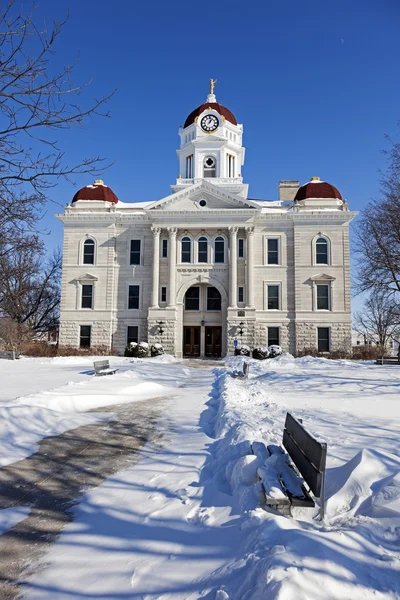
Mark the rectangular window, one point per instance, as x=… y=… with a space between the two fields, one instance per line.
x=189 y=166
x=323 y=339
x=323 y=297
x=192 y=299
x=84 y=336
x=241 y=248
x=87 y=296
x=164 y=249
x=163 y=294
x=273 y=251
x=202 y=245
x=135 y=252
x=273 y=297
x=213 y=299
x=132 y=334
x=241 y=294
x=273 y=336
x=133 y=297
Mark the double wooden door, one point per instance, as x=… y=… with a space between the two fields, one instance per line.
x=191 y=341
x=213 y=342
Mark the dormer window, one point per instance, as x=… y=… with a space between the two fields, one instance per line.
x=210 y=167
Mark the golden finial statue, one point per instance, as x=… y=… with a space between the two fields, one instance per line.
x=212 y=84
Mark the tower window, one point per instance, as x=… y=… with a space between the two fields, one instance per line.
x=202 y=250
x=189 y=166
x=209 y=167
x=219 y=250
x=186 y=254
x=321 y=251
x=230 y=165
x=87 y=296
x=88 y=252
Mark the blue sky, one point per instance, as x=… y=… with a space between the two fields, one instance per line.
x=314 y=83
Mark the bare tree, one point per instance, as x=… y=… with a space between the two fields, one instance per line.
x=379 y=320
x=36 y=103
x=378 y=233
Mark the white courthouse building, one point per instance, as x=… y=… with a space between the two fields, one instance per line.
x=207 y=264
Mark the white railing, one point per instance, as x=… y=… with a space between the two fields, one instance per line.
x=227 y=180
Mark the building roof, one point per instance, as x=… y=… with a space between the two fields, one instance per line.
x=316 y=188
x=97 y=191
x=222 y=110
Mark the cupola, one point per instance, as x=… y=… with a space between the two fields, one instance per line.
x=96 y=191
x=315 y=188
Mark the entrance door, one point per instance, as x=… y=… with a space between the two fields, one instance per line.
x=213 y=341
x=191 y=341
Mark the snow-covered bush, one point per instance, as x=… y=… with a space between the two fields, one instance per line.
x=274 y=350
x=137 y=350
x=156 y=350
x=242 y=351
x=261 y=353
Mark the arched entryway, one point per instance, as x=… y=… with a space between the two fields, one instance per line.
x=204 y=316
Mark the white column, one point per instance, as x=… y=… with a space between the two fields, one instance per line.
x=233 y=267
x=250 y=268
x=156 y=267
x=172 y=266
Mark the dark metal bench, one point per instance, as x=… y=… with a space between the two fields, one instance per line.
x=283 y=480
x=9 y=354
x=102 y=367
x=388 y=360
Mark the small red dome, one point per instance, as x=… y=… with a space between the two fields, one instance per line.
x=317 y=189
x=96 y=191
x=224 y=112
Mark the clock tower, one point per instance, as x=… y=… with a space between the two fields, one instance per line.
x=211 y=148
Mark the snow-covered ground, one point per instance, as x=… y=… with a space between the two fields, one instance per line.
x=185 y=521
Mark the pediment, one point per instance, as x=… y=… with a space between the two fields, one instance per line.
x=322 y=277
x=215 y=198
x=86 y=277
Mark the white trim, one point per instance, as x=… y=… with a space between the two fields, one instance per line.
x=128 y=284
x=271 y=283
x=81 y=247
x=141 y=262
x=273 y=237
x=314 y=249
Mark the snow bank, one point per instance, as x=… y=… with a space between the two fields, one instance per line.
x=354 y=553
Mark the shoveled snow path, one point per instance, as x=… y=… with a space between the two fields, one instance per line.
x=157 y=529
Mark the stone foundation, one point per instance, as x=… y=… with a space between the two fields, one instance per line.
x=340 y=336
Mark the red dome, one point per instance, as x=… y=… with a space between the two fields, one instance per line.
x=224 y=112
x=317 y=189
x=96 y=191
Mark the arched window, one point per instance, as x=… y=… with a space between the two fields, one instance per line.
x=186 y=250
x=209 y=167
x=88 y=252
x=202 y=255
x=219 y=250
x=321 y=251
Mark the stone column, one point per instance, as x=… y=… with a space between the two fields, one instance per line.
x=156 y=267
x=233 y=267
x=250 y=268
x=172 y=266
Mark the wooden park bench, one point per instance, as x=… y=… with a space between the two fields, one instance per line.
x=388 y=360
x=102 y=367
x=9 y=354
x=244 y=373
x=284 y=476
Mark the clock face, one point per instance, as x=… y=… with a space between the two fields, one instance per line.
x=209 y=123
